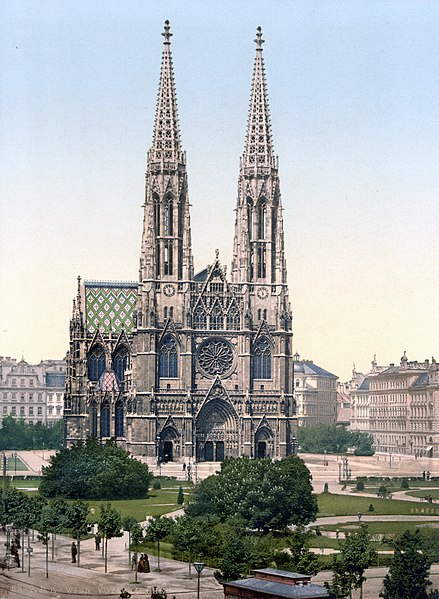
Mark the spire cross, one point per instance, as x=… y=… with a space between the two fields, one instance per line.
x=259 y=41
x=167 y=34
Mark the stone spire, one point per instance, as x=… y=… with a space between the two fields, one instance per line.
x=258 y=148
x=166 y=141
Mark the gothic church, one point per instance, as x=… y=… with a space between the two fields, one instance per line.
x=183 y=365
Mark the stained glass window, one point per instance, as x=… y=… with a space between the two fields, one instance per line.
x=262 y=359
x=168 y=358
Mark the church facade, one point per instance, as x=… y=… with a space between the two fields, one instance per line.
x=181 y=365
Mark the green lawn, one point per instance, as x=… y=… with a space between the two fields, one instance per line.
x=377 y=527
x=423 y=493
x=21 y=484
x=347 y=505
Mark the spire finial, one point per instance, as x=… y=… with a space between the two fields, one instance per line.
x=167 y=34
x=259 y=41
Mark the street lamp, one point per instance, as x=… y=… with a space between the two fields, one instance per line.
x=15 y=463
x=359 y=516
x=339 y=472
x=8 y=542
x=29 y=553
x=199 y=567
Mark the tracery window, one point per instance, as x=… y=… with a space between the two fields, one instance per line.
x=120 y=363
x=168 y=358
x=105 y=419
x=250 y=218
x=200 y=318
x=96 y=363
x=233 y=319
x=168 y=216
x=168 y=258
x=262 y=267
x=118 y=418
x=262 y=359
x=94 y=419
x=216 y=318
x=262 y=220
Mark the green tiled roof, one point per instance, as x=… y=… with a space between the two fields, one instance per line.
x=109 y=306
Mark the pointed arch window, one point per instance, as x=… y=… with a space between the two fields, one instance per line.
x=250 y=218
x=156 y=200
x=120 y=363
x=118 y=418
x=96 y=363
x=262 y=264
x=94 y=419
x=262 y=220
x=168 y=358
x=262 y=359
x=168 y=258
x=233 y=319
x=216 y=318
x=200 y=318
x=105 y=419
x=169 y=216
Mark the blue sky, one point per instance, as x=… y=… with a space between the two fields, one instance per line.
x=353 y=88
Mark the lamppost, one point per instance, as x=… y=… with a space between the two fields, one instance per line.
x=359 y=516
x=199 y=567
x=339 y=472
x=8 y=542
x=29 y=553
x=15 y=463
x=390 y=460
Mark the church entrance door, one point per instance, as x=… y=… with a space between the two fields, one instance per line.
x=261 y=450
x=208 y=451
x=168 y=451
x=219 y=451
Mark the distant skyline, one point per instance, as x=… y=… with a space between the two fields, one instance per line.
x=354 y=100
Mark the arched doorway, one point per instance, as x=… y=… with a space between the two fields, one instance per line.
x=168 y=451
x=168 y=448
x=217 y=435
x=264 y=442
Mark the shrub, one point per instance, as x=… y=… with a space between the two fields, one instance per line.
x=405 y=484
x=156 y=485
x=371 y=508
x=359 y=486
x=325 y=488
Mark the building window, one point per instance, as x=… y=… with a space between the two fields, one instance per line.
x=50 y=410
x=250 y=218
x=40 y=397
x=262 y=359
x=31 y=382
x=233 y=319
x=5 y=410
x=31 y=410
x=96 y=363
x=94 y=419
x=168 y=359
x=22 y=397
x=13 y=411
x=200 y=319
x=216 y=318
x=31 y=396
x=58 y=410
x=262 y=220
x=105 y=419
x=22 y=382
x=22 y=411
x=120 y=363
x=14 y=382
x=14 y=396
x=169 y=216
x=40 y=410
x=118 y=419
x=5 y=396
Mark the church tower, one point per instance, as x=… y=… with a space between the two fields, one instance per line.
x=183 y=365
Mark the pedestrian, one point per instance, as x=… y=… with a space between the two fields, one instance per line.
x=97 y=541
x=124 y=594
x=15 y=554
x=184 y=466
x=146 y=566
x=17 y=539
x=74 y=551
x=428 y=475
x=423 y=474
x=140 y=564
x=134 y=562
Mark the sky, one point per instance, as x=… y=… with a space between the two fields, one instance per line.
x=354 y=101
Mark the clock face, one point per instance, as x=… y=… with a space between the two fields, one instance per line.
x=262 y=292
x=169 y=289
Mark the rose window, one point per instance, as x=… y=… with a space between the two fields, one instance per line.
x=215 y=357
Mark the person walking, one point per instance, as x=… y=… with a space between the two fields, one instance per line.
x=74 y=551
x=124 y=594
x=97 y=541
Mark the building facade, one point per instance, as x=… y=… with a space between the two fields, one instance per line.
x=315 y=393
x=399 y=406
x=185 y=365
x=34 y=393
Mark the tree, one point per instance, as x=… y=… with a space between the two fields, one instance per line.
x=109 y=526
x=242 y=553
x=76 y=521
x=299 y=558
x=180 y=496
x=128 y=523
x=136 y=534
x=266 y=495
x=158 y=528
x=348 y=566
x=17 y=434
x=194 y=536
x=88 y=470
x=409 y=570
x=333 y=439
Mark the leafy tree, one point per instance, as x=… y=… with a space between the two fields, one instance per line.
x=348 y=566
x=88 y=470
x=76 y=521
x=242 y=553
x=44 y=526
x=136 y=534
x=109 y=525
x=299 y=558
x=333 y=439
x=194 y=536
x=128 y=523
x=158 y=528
x=17 y=434
x=409 y=570
x=180 y=496
x=266 y=495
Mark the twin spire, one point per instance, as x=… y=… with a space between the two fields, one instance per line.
x=166 y=141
